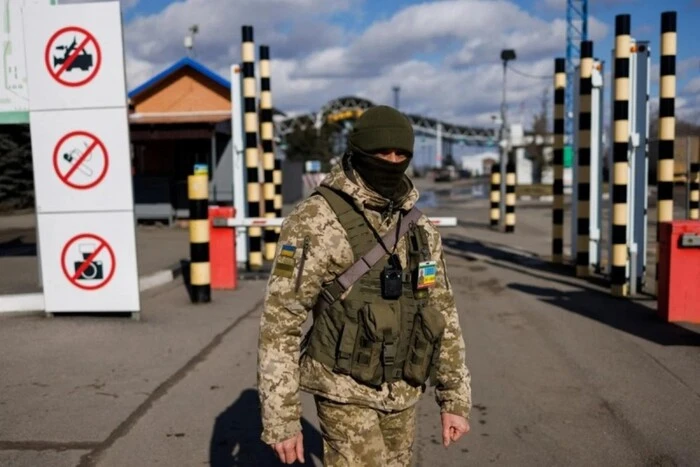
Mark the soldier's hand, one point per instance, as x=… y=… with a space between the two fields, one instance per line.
x=290 y=449
x=453 y=427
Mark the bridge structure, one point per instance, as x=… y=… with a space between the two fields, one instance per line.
x=344 y=110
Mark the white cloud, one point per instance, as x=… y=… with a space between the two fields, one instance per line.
x=444 y=55
x=693 y=86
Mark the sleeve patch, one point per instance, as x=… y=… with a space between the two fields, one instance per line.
x=288 y=251
x=284 y=266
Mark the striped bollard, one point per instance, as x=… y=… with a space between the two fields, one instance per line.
x=266 y=136
x=277 y=176
x=558 y=161
x=200 y=268
x=694 y=188
x=667 y=127
x=252 y=156
x=667 y=123
x=510 y=197
x=495 y=194
x=620 y=216
x=584 y=161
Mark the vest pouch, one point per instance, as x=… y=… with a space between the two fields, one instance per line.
x=428 y=326
x=348 y=335
x=377 y=322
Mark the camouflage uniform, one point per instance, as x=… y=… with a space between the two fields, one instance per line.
x=351 y=434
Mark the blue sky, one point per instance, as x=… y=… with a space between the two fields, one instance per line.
x=443 y=54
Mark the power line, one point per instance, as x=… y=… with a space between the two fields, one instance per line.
x=527 y=75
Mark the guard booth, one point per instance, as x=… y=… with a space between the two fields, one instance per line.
x=179 y=118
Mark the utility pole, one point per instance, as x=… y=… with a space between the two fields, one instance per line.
x=396 y=89
x=189 y=39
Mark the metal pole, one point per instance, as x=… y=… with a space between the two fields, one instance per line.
x=438 y=147
x=504 y=149
x=688 y=178
x=239 y=169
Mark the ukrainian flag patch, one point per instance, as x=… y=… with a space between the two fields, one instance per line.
x=288 y=251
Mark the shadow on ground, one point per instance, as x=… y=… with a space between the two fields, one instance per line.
x=17 y=246
x=464 y=247
x=623 y=314
x=236 y=437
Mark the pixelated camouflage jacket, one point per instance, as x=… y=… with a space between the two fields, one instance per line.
x=291 y=294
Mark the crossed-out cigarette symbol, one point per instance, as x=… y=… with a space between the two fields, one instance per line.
x=74 y=155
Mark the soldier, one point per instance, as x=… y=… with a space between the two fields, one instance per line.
x=371 y=269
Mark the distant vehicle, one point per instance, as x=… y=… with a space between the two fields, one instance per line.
x=446 y=174
x=83 y=61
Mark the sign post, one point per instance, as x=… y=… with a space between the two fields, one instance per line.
x=80 y=152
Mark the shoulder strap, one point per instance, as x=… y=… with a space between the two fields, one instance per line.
x=360 y=236
x=335 y=289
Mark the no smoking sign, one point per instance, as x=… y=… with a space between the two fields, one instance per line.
x=80 y=160
x=73 y=56
x=88 y=261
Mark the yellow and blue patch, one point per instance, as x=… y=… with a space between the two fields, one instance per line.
x=288 y=251
x=284 y=266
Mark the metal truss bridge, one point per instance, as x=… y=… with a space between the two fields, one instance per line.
x=349 y=108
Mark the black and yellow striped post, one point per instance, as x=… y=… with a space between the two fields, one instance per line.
x=510 y=197
x=621 y=132
x=583 y=169
x=266 y=136
x=252 y=158
x=558 y=161
x=495 y=194
x=667 y=124
x=277 y=177
x=200 y=269
x=694 y=187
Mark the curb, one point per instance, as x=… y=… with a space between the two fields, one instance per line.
x=34 y=302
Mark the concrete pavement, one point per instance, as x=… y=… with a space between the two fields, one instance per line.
x=563 y=374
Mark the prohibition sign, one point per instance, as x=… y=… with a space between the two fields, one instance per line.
x=74 y=51
x=86 y=265
x=67 y=145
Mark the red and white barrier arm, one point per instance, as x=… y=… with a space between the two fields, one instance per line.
x=277 y=221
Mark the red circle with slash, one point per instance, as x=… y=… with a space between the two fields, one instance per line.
x=94 y=143
x=82 y=264
x=78 y=53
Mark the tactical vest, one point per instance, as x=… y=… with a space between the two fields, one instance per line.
x=372 y=339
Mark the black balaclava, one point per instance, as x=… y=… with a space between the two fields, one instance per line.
x=379 y=128
x=388 y=179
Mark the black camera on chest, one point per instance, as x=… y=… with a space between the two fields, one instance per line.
x=392 y=280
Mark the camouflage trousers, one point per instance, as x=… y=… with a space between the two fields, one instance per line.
x=357 y=436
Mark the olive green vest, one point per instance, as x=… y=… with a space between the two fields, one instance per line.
x=370 y=338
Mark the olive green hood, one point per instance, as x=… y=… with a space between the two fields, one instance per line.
x=345 y=179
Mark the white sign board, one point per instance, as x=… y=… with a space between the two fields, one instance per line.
x=81 y=160
x=89 y=262
x=74 y=56
x=14 y=97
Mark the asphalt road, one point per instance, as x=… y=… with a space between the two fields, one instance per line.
x=563 y=374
